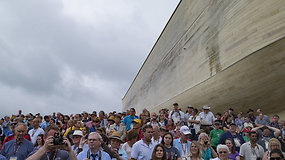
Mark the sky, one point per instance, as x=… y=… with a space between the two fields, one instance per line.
x=71 y=56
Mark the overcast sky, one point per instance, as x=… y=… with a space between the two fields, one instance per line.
x=71 y=56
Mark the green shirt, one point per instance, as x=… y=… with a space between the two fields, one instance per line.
x=245 y=138
x=215 y=136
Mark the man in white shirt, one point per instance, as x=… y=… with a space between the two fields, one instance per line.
x=207 y=119
x=176 y=114
x=251 y=150
x=36 y=130
x=143 y=148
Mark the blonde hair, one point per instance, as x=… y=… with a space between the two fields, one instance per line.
x=203 y=135
x=273 y=140
x=197 y=144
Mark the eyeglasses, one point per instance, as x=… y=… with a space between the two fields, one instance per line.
x=275 y=158
x=93 y=140
x=223 y=152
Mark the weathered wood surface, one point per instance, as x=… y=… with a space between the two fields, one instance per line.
x=216 y=52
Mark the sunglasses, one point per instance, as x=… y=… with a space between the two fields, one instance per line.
x=223 y=152
x=275 y=158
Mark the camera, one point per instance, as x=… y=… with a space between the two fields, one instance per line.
x=57 y=139
x=205 y=142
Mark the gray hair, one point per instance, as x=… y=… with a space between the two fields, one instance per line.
x=222 y=146
x=97 y=134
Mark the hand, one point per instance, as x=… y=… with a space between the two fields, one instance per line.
x=49 y=143
x=116 y=153
x=67 y=145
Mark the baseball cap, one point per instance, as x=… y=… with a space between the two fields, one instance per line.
x=247 y=130
x=185 y=130
x=137 y=121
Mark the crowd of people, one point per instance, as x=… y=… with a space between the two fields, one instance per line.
x=167 y=135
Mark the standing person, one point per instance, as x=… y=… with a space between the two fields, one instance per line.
x=162 y=120
x=156 y=138
x=176 y=114
x=94 y=152
x=6 y=125
x=216 y=134
x=19 y=147
x=170 y=125
x=119 y=127
x=115 y=142
x=194 y=124
x=195 y=152
x=52 y=150
x=132 y=137
x=172 y=152
x=141 y=150
x=234 y=155
x=45 y=123
x=36 y=130
x=76 y=139
x=158 y=153
x=236 y=137
x=207 y=149
x=251 y=150
x=207 y=119
x=103 y=119
x=128 y=120
x=182 y=143
x=188 y=113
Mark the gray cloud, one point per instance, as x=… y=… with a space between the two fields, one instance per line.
x=72 y=56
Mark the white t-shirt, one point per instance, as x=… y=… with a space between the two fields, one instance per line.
x=196 y=126
x=128 y=149
x=34 y=134
x=206 y=119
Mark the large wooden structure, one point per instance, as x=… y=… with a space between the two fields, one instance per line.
x=216 y=52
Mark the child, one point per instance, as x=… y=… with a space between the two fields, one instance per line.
x=216 y=134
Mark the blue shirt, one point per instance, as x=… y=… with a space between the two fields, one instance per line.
x=83 y=154
x=237 y=139
x=22 y=149
x=6 y=129
x=142 y=151
x=59 y=154
x=128 y=120
x=44 y=125
x=177 y=143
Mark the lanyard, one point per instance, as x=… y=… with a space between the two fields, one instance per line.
x=16 y=150
x=51 y=154
x=34 y=131
x=88 y=154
